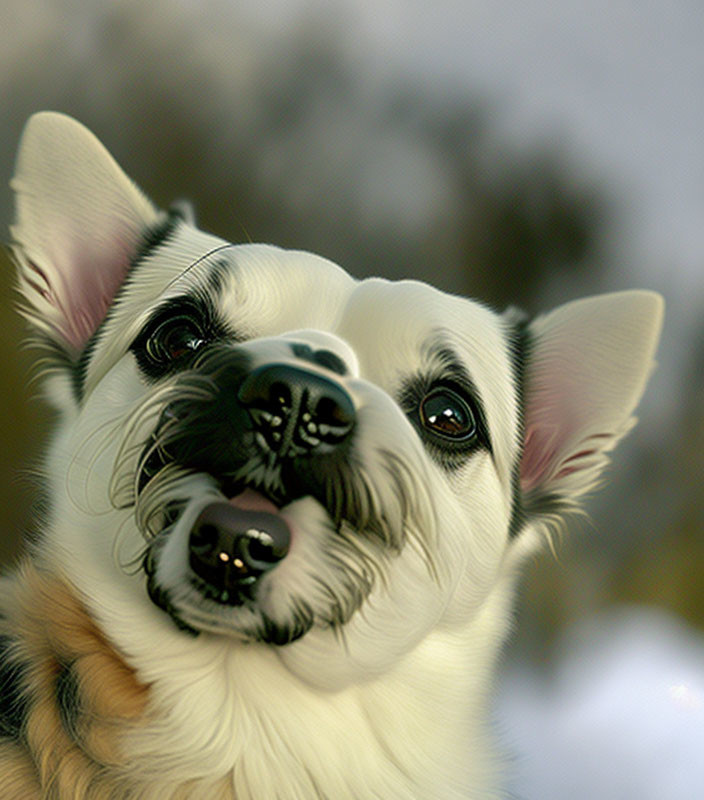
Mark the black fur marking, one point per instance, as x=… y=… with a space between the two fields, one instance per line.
x=323 y=358
x=220 y=268
x=183 y=209
x=160 y=596
x=13 y=701
x=153 y=238
x=158 y=234
x=68 y=699
x=520 y=346
x=207 y=433
x=273 y=633
x=545 y=504
x=452 y=375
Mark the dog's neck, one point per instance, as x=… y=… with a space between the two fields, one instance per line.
x=88 y=714
x=421 y=725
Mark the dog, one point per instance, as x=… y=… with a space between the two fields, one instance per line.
x=286 y=509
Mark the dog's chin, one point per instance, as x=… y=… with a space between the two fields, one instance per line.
x=195 y=617
x=194 y=612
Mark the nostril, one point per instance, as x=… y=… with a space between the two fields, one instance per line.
x=295 y=411
x=334 y=411
x=324 y=358
x=263 y=390
x=280 y=396
x=262 y=548
x=330 y=361
x=205 y=536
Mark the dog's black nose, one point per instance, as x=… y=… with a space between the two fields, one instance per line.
x=230 y=548
x=296 y=410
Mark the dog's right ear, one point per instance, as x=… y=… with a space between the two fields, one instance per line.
x=79 y=223
x=589 y=364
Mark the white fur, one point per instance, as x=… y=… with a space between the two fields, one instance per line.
x=393 y=704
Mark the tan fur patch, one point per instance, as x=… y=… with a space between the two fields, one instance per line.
x=17 y=775
x=72 y=748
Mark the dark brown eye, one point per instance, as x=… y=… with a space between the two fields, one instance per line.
x=447 y=414
x=178 y=330
x=173 y=339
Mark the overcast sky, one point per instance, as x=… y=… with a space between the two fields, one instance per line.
x=619 y=84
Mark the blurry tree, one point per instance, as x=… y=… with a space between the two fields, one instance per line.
x=295 y=144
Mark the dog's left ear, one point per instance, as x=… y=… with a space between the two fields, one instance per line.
x=79 y=223
x=589 y=364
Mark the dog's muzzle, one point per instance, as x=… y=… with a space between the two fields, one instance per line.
x=295 y=413
x=277 y=419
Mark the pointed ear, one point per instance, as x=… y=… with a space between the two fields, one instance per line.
x=79 y=223
x=589 y=364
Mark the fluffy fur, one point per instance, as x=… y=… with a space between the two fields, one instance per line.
x=445 y=439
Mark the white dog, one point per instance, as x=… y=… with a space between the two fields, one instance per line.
x=286 y=508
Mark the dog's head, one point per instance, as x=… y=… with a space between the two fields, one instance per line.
x=268 y=449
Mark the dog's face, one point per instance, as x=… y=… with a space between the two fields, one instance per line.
x=252 y=394
x=258 y=447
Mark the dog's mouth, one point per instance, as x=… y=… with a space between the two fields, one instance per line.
x=236 y=538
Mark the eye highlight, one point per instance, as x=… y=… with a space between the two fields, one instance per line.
x=445 y=413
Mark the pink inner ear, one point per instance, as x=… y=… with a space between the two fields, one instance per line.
x=548 y=457
x=539 y=456
x=557 y=420
x=553 y=446
x=83 y=290
x=79 y=222
x=588 y=369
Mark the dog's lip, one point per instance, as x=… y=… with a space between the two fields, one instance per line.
x=249 y=500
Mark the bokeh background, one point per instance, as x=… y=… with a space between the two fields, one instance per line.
x=522 y=151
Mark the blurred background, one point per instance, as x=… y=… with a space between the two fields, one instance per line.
x=524 y=152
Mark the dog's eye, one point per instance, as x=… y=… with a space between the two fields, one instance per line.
x=174 y=338
x=179 y=329
x=447 y=414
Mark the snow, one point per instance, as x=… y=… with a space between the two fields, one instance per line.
x=620 y=716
